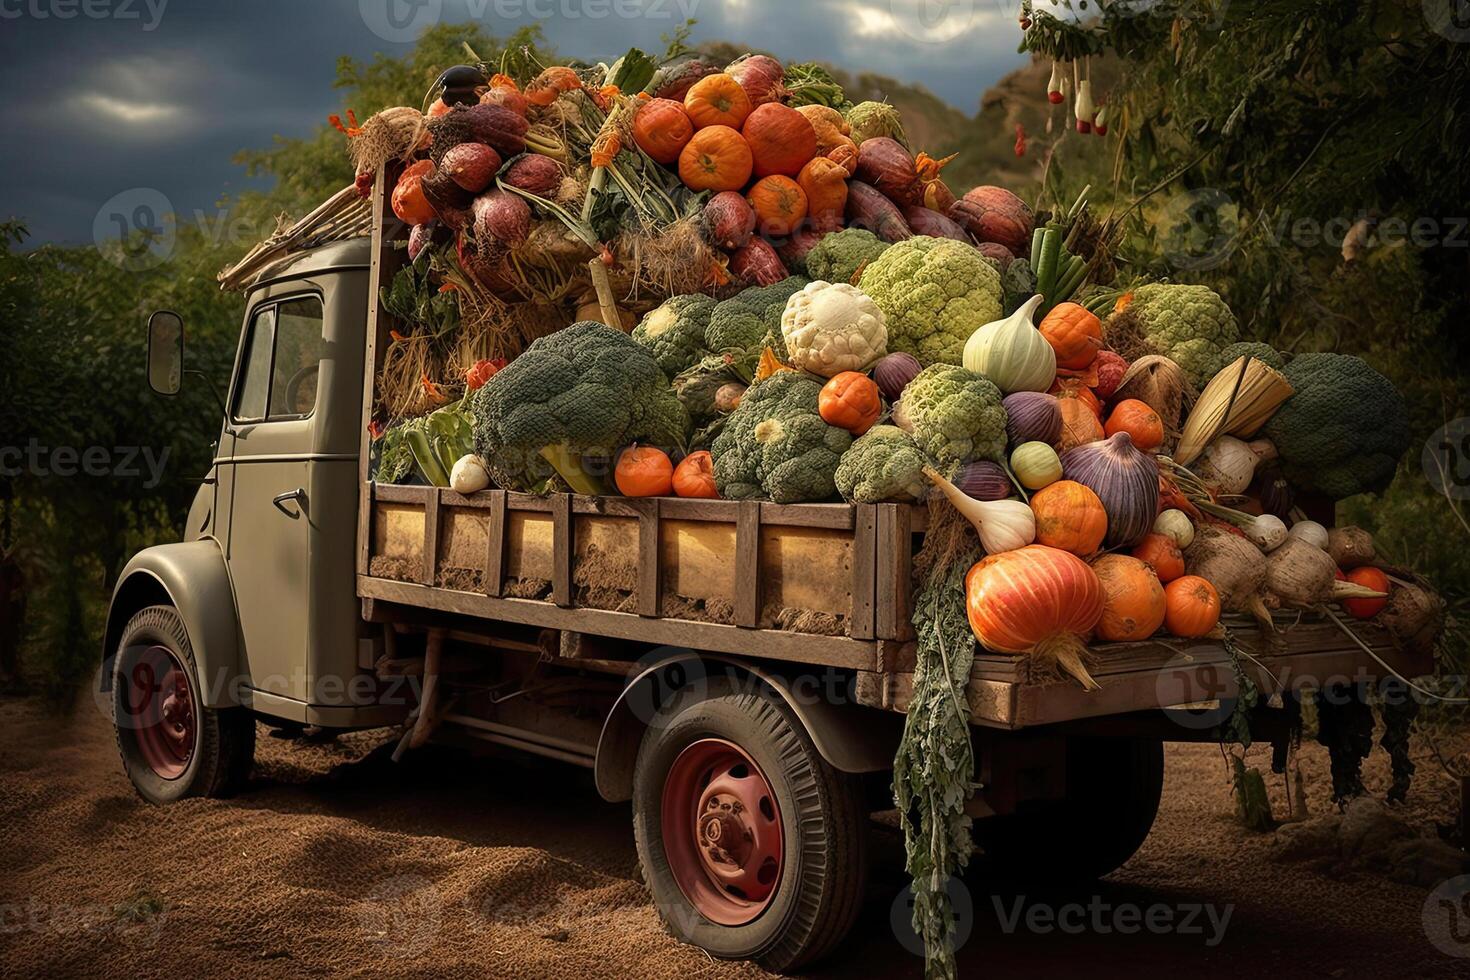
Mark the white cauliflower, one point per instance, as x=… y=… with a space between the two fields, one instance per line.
x=833 y=327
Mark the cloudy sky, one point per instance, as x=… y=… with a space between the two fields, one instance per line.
x=118 y=97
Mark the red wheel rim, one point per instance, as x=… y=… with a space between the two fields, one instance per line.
x=160 y=710
x=722 y=832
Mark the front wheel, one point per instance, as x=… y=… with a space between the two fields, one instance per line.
x=753 y=846
x=172 y=745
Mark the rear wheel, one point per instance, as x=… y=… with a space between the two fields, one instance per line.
x=172 y=745
x=1113 y=791
x=753 y=846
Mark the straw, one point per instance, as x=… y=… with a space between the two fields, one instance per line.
x=1237 y=401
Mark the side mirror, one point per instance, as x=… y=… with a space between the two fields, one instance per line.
x=165 y=352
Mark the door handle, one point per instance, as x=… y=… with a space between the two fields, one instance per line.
x=298 y=495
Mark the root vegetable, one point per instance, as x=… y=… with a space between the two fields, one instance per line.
x=1300 y=574
x=1350 y=546
x=1234 y=566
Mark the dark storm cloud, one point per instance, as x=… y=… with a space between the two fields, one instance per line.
x=103 y=96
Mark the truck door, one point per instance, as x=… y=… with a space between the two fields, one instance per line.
x=272 y=516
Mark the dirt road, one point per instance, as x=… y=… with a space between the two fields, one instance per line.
x=337 y=862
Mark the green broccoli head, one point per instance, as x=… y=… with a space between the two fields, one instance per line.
x=841 y=254
x=586 y=390
x=673 y=331
x=1190 y=325
x=934 y=293
x=751 y=319
x=955 y=415
x=1264 y=353
x=884 y=463
x=776 y=444
x=1344 y=429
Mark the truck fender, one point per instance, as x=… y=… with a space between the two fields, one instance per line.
x=851 y=737
x=190 y=576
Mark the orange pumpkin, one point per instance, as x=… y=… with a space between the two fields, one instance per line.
x=409 y=203
x=1069 y=516
x=1140 y=421
x=779 y=204
x=1191 y=606
x=644 y=471
x=1133 y=599
x=825 y=184
x=695 y=476
x=1159 y=552
x=1077 y=388
x=1372 y=578
x=661 y=128
x=1074 y=332
x=546 y=87
x=1079 y=425
x=716 y=100
x=716 y=158
x=781 y=139
x=850 y=401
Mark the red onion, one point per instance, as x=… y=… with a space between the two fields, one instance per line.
x=1124 y=479
x=884 y=163
x=1032 y=416
x=893 y=372
x=984 y=480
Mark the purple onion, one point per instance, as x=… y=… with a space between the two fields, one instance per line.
x=893 y=372
x=1032 y=416
x=984 y=480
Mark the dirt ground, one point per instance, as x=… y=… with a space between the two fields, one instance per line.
x=338 y=862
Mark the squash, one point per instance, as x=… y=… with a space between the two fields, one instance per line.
x=644 y=471
x=661 y=128
x=825 y=184
x=546 y=87
x=695 y=476
x=716 y=158
x=409 y=204
x=1124 y=479
x=1036 y=465
x=1079 y=425
x=1069 y=516
x=1077 y=388
x=1191 y=607
x=1133 y=599
x=1037 y=601
x=1162 y=554
x=1075 y=333
x=781 y=139
x=850 y=401
x=761 y=76
x=717 y=100
x=779 y=205
x=994 y=214
x=1140 y=421
x=1012 y=353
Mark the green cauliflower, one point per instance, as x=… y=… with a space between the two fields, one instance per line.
x=869 y=119
x=1190 y=325
x=673 y=331
x=1344 y=429
x=884 y=463
x=776 y=445
x=840 y=254
x=934 y=293
x=1261 y=352
x=751 y=319
x=585 y=391
x=955 y=415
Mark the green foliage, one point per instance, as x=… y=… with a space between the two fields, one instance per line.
x=954 y=415
x=934 y=293
x=776 y=445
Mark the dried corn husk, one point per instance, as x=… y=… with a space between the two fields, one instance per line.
x=1237 y=402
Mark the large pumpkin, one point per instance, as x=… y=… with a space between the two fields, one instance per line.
x=715 y=159
x=661 y=128
x=1074 y=332
x=1035 y=600
x=781 y=139
x=779 y=204
x=716 y=100
x=1070 y=517
x=1133 y=599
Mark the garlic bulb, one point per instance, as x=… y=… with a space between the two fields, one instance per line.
x=469 y=475
x=1012 y=353
x=1311 y=532
x=1003 y=525
x=1227 y=464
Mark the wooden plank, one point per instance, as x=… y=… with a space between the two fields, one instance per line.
x=395 y=493
x=381 y=263
x=650 y=578
x=695 y=509
x=893 y=612
x=561 y=549
x=864 y=571
x=747 y=564
x=806 y=648
x=808 y=515
x=531 y=502
x=492 y=580
x=430 y=564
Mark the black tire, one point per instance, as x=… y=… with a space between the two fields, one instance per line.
x=1113 y=791
x=824 y=819
x=223 y=744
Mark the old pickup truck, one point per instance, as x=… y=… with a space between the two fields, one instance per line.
x=737 y=670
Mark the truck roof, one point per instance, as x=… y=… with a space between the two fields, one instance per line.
x=352 y=253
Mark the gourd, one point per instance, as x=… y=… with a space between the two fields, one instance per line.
x=644 y=471
x=824 y=183
x=551 y=83
x=409 y=203
x=1310 y=532
x=1003 y=525
x=1036 y=465
x=781 y=139
x=469 y=475
x=779 y=204
x=1191 y=607
x=828 y=124
x=1069 y=516
x=1032 y=416
x=717 y=100
x=695 y=476
x=1175 y=525
x=1124 y=479
x=1139 y=420
x=1079 y=425
x=1074 y=332
x=1012 y=353
x=661 y=128
x=1161 y=553
x=716 y=158
x=850 y=401
x=1038 y=601
x=831 y=328
x=1133 y=599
